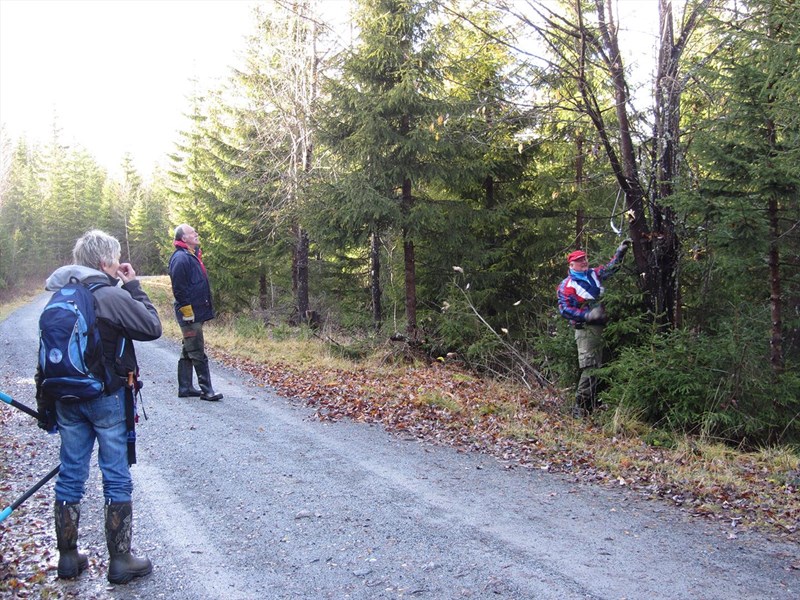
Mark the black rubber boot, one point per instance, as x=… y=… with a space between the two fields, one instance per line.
x=123 y=565
x=185 y=374
x=204 y=380
x=70 y=562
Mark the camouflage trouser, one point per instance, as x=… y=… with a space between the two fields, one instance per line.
x=589 y=340
x=193 y=343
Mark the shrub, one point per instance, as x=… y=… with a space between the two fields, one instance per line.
x=716 y=384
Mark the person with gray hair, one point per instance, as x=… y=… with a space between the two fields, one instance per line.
x=124 y=313
x=193 y=307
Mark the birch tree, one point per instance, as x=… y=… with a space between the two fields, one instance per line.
x=279 y=83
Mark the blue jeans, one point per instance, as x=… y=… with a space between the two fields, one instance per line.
x=79 y=425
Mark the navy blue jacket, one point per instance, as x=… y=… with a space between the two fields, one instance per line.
x=190 y=286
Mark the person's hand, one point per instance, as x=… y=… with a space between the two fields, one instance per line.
x=596 y=316
x=47 y=417
x=126 y=272
x=623 y=247
x=48 y=424
x=187 y=313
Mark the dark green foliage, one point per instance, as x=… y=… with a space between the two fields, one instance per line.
x=217 y=189
x=150 y=218
x=51 y=197
x=713 y=384
x=742 y=216
x=19 y=216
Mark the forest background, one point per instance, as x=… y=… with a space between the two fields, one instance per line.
x=425 y=184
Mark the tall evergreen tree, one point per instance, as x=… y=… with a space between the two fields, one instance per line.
x=377 y=120
x=149 y=232
x=748 y=149
x=214 y=189
x=58 y=207
x=278 y=85
x=128 y=193
x=481 y=220
x=21 y=201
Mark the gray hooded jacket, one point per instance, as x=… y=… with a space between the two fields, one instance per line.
x=124 y=314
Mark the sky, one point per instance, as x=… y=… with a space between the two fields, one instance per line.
x=116 y=75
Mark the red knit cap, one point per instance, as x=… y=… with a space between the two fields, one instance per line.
x=578 y=254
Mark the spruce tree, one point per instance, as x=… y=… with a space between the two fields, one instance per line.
x=277 y=86
x=376 y=119
x=480 y=216
x=21 y=201
x=215 y=188
x=750 y=194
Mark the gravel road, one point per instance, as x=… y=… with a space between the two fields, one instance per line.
x=253 y=497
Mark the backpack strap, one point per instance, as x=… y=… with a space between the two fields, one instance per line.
x=96 y=285
x=112 y=381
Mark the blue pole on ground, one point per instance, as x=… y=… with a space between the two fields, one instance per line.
x=10 y=509
x=8 y=400
x=4 y=514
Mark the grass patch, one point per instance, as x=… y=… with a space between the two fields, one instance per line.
x=11 y=299
x=247 y=336
x=503 y=410
x=464 y=378
x=439 y=400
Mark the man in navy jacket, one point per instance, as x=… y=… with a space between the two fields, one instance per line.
x=193 y=307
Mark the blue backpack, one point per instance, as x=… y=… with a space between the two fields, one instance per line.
x=70 y=349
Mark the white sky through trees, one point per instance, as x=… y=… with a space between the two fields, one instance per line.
x=115 y=75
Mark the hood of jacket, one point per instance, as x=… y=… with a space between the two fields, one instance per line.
x=63 y=275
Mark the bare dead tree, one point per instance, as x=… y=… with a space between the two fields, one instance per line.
x=580 y=41
x=285 y=60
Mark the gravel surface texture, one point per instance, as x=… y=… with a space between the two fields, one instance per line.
x=253 y=497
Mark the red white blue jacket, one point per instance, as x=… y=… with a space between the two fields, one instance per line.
x=581 y=292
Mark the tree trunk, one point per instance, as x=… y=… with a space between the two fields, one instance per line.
x=262 y=291
x=623 y=164
x=375 y=280
x=776 y=339
x=773 y=214
x=302 y=273
x=488 y=192
x=409 y=262
x=665 y=245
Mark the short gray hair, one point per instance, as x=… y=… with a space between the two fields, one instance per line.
x=179 y=232
x=94 y=248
